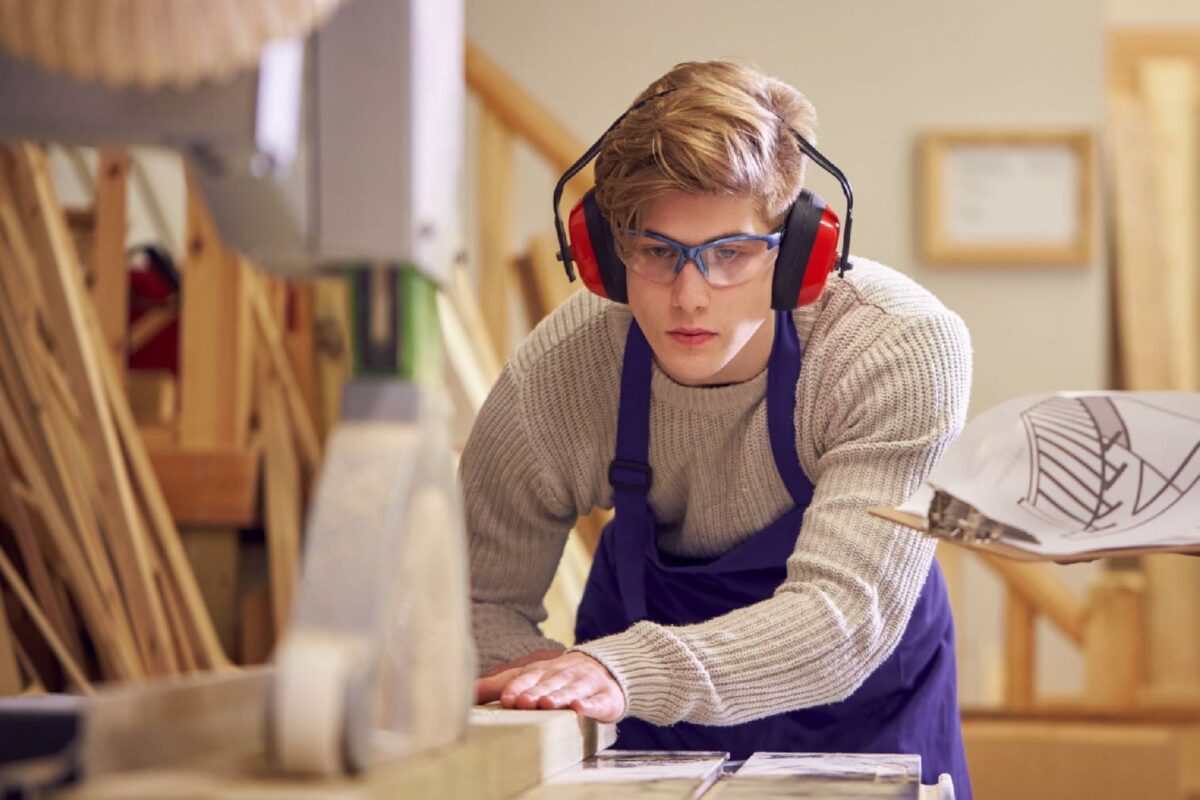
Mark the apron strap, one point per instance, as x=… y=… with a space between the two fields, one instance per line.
x=631 y=476
x=783 y=373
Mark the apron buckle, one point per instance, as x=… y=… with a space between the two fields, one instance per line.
x=630 y=476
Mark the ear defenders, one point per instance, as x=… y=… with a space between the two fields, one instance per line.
x=807 y=252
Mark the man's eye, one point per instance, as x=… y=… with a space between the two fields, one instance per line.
x=658 y=251
x=728 y=253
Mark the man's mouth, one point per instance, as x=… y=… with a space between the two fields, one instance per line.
x=691 y=337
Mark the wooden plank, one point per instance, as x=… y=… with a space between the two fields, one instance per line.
x=497 y=759
x=519 y=111
x=217 y=487
x=111 y=288
x=64 y=295
x=1140 y=285
x=9 y=573
x=543 y=283
x=300 y=343
x=1169 y=89
x=661 y=775
x=331 y=310
x=214 y=389
x=150 y=325
x=10 y=671
x=495 y=187
x=1020 y=651
x=282 y=497
x=1045 y=591
x=305 y=430
x=1114 y=648
x=822 y=775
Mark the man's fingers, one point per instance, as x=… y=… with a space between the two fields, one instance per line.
x=529 y=677
x=490 y=687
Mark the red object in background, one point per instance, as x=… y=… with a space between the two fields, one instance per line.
x=154 y=283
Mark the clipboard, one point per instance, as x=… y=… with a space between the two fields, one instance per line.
x=999 y=547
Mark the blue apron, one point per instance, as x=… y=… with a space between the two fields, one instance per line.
x=908 y=705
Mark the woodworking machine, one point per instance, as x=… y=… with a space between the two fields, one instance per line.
x=338 y=148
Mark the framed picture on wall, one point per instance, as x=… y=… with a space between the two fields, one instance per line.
x=1005 y=198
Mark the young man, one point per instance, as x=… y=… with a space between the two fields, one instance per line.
x=742 y=599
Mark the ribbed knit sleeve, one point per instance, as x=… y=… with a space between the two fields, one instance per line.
x=883 y=396
x=517 y=519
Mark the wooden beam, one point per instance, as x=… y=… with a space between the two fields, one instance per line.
x=1114 y=647
x=217 y=487
x=1045 y=591
x=1020 y=651
x=520 y=112
x=282 y=496
x=331 y=309
x=305 y=429
x=10 y=670
x=111 y=288
x=495 y=187
x=214 y=388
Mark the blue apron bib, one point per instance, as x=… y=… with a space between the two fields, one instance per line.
x=908 y=705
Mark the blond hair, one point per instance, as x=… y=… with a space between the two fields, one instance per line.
x=721 y=128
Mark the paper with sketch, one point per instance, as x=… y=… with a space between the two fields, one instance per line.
x=1071 y=473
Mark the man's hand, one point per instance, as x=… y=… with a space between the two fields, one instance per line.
x=574 y=681
x=536 y=655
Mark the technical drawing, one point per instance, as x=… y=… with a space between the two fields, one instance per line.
x=1101 y=465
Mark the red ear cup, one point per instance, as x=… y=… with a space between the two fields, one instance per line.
x=807 y=253
x=595 y=252
x=582 y=252
x=821 y=260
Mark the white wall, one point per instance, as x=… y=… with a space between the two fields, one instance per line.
x=879 y=72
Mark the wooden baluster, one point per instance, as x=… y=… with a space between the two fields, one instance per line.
x=1020 y=651
x=496 y=189
x=1114 y=645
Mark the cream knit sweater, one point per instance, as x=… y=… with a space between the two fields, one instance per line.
x=882 y=392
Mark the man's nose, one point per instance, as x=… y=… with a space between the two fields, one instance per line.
x=690 y=289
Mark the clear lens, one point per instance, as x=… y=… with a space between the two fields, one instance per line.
x=723 y=263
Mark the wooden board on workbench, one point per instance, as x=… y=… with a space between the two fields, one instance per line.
x=644 y=774
x=820 y=775
x=505 y=752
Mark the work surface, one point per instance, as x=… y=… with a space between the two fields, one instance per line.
x=531 y=755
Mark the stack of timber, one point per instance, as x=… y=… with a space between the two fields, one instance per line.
x=86 y=519
x=111 y=510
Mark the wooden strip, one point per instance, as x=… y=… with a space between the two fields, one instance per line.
x=543 y=283
x=332 y=321
x=282 y=497
x=299 y=342
x=1169 y=89
x=657 y=774
x=111 y=288
x=1114 y=647
x=520 y=112
x=150 y=325
x=1020 y=651
x=13 y=579
x=10 y=670
x=495 y=187
x=302 y=424
x=1045 y=592
x=214 y=391
x=122 y=524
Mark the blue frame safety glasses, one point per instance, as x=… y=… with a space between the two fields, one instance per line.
x=726 y=261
